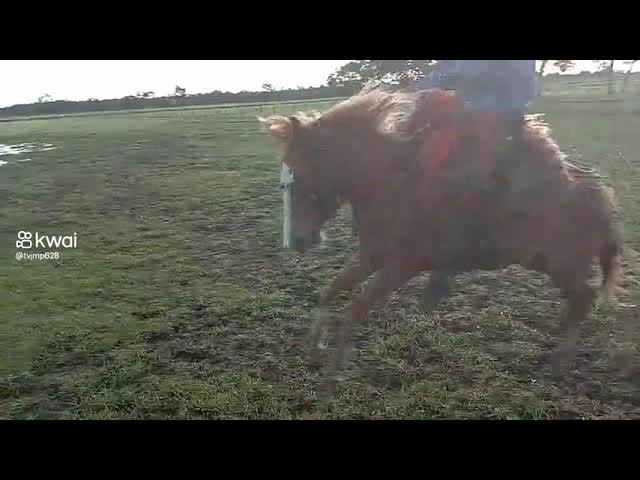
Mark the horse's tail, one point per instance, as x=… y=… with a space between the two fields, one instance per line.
x=610 y=252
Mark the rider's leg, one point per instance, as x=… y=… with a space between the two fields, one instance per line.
x=490 y=102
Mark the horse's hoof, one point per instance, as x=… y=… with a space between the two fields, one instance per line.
x=329 y=388
x=561 y=361
x=428 y=305
x=315 y=363
x=433 y=295
x=315 y=357
x=558 y=368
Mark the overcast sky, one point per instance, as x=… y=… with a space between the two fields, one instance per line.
x=23 y=81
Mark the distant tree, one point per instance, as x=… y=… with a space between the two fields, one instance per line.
x=611 y=76
x=347 y=75
x=132 y=102
x=607 y=66
x=146 y=94
x=45 y=98
x=268 y=87
x=179 y=91
x=543 y=66
x=564 y=65
x=627 y=74
x=395 y=72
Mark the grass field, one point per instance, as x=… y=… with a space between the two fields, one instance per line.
x=179 y=303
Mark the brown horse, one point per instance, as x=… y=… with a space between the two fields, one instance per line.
x=438 y=288
x=370 y=151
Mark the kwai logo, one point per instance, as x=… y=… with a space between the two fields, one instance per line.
x=25 y=241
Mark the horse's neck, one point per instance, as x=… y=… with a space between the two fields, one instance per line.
x=368 y=171
x=358 y=182
x=374 y=187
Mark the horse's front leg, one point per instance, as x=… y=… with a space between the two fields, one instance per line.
x=347 y=280
x=439 y=287
x=391 y=277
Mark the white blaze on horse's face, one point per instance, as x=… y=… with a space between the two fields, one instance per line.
x=305 y=208
x=301 y=228
x=281 y=128
x=286 y=183
x=307 y=234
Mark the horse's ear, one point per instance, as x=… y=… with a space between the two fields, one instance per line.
x=280 y=127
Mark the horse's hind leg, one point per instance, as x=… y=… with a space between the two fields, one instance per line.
x=355 y=226
x=580 y=298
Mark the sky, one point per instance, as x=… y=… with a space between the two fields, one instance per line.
x=23 y=81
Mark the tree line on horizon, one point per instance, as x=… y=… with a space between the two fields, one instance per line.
x=344 y=82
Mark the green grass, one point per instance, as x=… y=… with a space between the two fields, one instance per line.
x=179 y=302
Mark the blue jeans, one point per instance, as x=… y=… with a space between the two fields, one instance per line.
x=498 y=85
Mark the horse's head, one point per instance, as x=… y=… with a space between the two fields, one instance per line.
x=348 y=150
x=310 y=154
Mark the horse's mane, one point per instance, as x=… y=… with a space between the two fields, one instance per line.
x=374 y=108
x=538 y=133
x=406 y=115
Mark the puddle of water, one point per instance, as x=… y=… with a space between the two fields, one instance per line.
x=7 y=150
x=21 y=148
x=25 y=148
